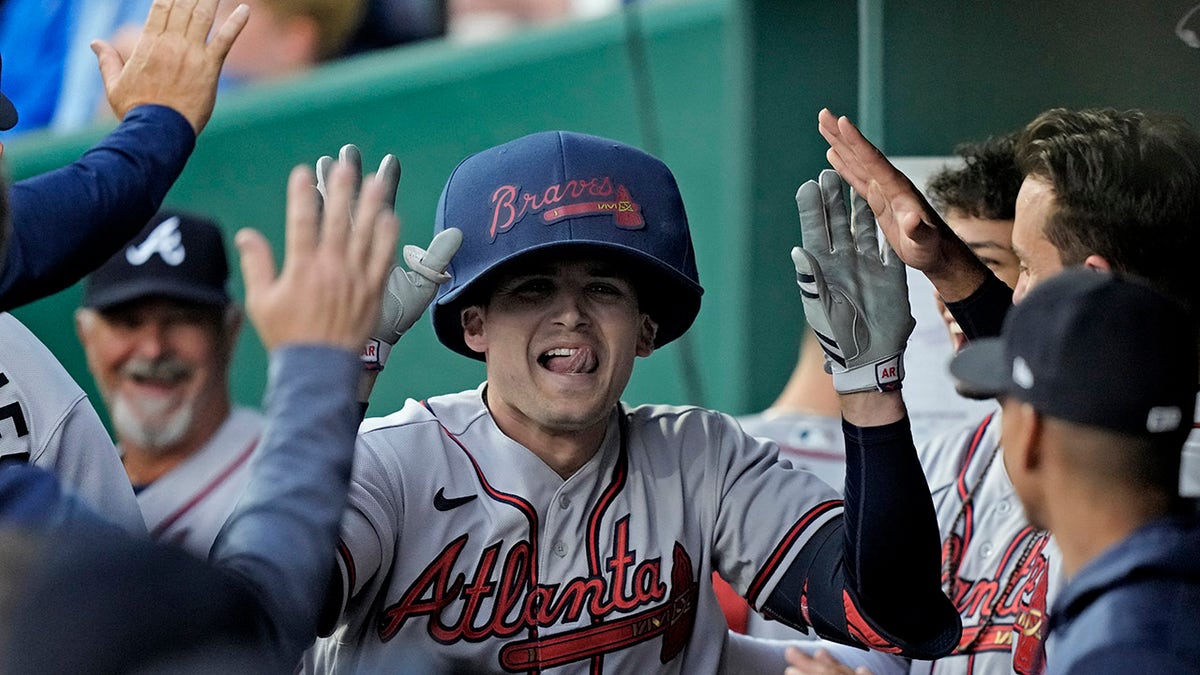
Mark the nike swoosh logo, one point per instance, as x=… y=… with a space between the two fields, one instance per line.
x=443 y=503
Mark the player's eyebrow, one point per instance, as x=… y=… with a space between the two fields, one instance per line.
x=988 y=243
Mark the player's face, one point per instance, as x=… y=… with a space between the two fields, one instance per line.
x=560 y=338
x=1039 y=259
x=991 y=241
x=160 y=366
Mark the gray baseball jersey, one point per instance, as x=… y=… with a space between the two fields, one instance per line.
x=189 y=504
x=47 y=420
x=812 y=443
x=462 y=550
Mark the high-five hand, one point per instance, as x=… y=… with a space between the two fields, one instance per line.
x=173 y=64
x=916 y=232
x=853 y=287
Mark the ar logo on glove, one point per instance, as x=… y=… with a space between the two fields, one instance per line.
x=889 y=374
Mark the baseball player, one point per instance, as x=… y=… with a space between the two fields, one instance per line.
x=1094 y=455
x=158 y=328
x=997 y=566
x=537 y=523
x=80 y=599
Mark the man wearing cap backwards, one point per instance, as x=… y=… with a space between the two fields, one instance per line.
x=1095 y=376
x=159 y=329
x=1103 y=189
x=536 y=523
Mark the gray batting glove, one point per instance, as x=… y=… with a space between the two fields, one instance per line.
x=407 y=293
x=853 y=287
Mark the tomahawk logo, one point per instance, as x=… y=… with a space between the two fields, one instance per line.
x=164 y=240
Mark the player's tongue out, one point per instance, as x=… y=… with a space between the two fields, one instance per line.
x=577 y=360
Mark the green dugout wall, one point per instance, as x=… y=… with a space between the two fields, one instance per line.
x=679 y=80
x=725 y=91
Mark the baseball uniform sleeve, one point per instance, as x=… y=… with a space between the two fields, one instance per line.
x=982 y=313
x=66 y=222
x=871 y=578
x=280 y=538
x=87 y=460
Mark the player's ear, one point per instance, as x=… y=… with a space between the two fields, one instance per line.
x=1028 y=431
x=646 y=335
x=84 y=318
x=473 y=332
x=1096 y=261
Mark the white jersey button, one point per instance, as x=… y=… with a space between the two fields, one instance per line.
x=560 y=549
x=564 y=502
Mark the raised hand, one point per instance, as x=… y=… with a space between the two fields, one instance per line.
x=408 y=293
x=173 y=64
x=854 y=290
x=919 y=236
x=333 y=274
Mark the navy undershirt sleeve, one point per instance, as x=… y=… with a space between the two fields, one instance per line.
x=981 y=314
x=67 y=222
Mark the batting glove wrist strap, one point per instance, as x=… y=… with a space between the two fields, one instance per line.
x=853 y=288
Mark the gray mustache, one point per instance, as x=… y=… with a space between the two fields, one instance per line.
x=157 y=369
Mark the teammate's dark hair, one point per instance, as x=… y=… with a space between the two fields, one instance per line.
x=1126 y=186
x=985 y=186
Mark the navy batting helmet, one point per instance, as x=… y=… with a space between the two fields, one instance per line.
x=558 y=189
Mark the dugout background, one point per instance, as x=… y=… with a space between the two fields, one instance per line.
x=725 y=91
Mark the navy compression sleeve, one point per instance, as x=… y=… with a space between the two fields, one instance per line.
x=981 y=314
x=872 y=578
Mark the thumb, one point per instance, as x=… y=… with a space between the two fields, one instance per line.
x=258 y=263
x=110 y=61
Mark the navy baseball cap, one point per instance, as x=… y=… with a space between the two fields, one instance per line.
x=178 y=255
x=556 y=190
x=1095 y=349
x=8 y=112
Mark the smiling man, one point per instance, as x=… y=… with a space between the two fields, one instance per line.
x=159 y=328
x=536 y=523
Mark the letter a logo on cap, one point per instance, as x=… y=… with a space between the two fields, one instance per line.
x=164 y=240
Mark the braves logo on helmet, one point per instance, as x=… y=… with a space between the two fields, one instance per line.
x=590 y=197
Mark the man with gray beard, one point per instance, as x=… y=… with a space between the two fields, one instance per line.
x=159 y=328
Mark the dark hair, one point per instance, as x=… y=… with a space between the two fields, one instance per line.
x=1126 y=187
x=985 y=186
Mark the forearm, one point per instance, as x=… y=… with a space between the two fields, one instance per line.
x=960 y=271
x=872 y=408
x=981 y=313
x=891 y=536
x=66 y=222
x=871 y=578
x=878 y=663
x=282 y=535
